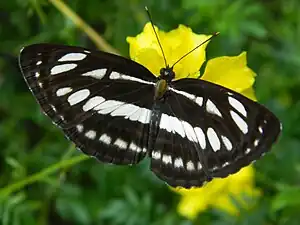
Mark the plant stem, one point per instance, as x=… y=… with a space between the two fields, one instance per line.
x=80 y=23
x=4 y=192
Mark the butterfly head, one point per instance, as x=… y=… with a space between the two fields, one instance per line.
x=167 y=74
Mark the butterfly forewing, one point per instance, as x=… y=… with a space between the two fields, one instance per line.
x=209 y=131
x=101 y=101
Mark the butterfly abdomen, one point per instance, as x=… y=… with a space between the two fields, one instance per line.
x=154 y=125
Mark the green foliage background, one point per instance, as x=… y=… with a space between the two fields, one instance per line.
x=43 y=180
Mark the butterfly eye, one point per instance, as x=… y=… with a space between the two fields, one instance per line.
x=167 y=74
x=162 y=71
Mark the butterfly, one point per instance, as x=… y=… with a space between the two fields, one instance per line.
x=117 y=111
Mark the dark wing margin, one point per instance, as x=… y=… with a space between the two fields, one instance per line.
x=209 y=131
x=101 y=101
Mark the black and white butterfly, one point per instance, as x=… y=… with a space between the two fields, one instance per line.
x=117 y=111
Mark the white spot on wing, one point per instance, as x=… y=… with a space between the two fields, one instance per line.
x=239 y=122
x=134 y=147
x=225 y=164
x=213 y=139
x=138 y=149
x=63 y=91
x=173 y=124
x=215 y=168
x=156 y=155
x=212 y=108
x=53 y=107
x=129 y=111
x=105 y=139
x=201 y=137
x=108 y=106
x=61 y=117
x=91 y=134
x=79 y=128
x=62 y=68
x=260 y=129
x=165 y=123
x=98 y=73
x=237 y=105
x=92 y=103
x=167 y=159
x=37 y=74
x=136 y=115
x=190 y=166
x=199 y=101
x=121 y=143
x=199 y=166
x=227 y=143
x=114 y=75
x=189 y=131
x=72 y=57
x=256 y=142
x=177 y=126
x=38 y=63
x=144 y=116
x=78 y=96
x=248 y=150
x=183 y=93
x=125 y=110
x=178 y=163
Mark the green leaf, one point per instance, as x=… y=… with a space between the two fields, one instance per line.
x=73 y=210
x=289 y=197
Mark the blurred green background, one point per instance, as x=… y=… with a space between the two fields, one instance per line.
x=43 y=180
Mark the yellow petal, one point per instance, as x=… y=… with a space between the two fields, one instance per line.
x=150 y=58
x=218 y=193
x=246 y=174
x=230 y=71
x=189 y=206
x=249 y=93
x=242 y=182
x=224 y=202
x=144 y=49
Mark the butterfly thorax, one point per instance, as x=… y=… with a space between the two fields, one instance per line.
x=161 y=87
x=166 y=76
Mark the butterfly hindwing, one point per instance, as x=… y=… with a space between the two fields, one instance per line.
x=208 y=131
x=101 y=101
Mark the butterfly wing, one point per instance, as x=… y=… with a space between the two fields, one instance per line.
x=208 y=131
x=100 y=101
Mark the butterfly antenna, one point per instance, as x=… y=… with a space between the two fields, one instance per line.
x=215 y=34
x=151 y=21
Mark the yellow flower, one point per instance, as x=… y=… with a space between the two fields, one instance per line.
x=231 y=72
x=218 y=194
x=145 y=50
